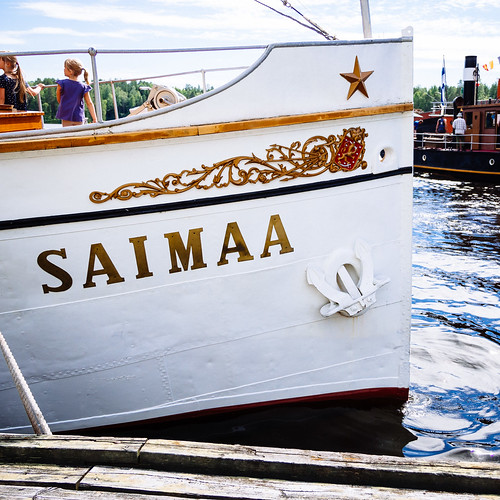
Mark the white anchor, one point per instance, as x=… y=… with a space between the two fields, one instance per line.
x=346 y=279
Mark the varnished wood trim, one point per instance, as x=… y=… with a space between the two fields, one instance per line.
x=15 y=121
x=95 y=139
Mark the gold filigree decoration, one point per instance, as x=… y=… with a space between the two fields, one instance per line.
x=318 y=154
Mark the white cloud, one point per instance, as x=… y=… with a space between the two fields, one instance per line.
x=242 y=17
x=453 y=28
x=98 y=13
x=10 y=38
x=49 y=30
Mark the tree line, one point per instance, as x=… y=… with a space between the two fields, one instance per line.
x=424 y=97
x=128 y=95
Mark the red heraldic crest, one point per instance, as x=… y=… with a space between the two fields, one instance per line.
x=348 y=154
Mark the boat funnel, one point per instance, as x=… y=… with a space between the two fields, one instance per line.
x=471 y=74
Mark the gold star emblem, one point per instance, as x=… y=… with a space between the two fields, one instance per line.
x=357 y=79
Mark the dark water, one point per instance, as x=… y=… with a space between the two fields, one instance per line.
x=454 y=405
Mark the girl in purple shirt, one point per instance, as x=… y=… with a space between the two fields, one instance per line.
x=71 y=93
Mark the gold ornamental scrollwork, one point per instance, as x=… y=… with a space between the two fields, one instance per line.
x=317 y=155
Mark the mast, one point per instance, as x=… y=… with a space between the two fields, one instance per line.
x=365 y=14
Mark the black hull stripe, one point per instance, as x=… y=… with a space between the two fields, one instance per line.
x=182 y=205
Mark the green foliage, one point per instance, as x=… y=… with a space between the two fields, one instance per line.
x=128 y=95
x=189 y=91
x=423 y=97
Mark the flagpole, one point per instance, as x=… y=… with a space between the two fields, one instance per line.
x=443 y=89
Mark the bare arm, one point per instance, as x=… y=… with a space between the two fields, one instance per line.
x=90 y=105
x=33 y=91
x=58 y=93
x=2 y=95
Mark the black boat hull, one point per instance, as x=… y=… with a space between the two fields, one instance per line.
x=470 y=165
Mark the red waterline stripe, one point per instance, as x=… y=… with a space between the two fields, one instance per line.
x=393 y=393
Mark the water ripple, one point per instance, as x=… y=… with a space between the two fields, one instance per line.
x=454 y=406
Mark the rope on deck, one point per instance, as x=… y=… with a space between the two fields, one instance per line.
x=34 y=414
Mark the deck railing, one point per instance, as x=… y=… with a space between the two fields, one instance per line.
x=437 y=107
x=202 y=73
x=433 y=140
x=92 y=52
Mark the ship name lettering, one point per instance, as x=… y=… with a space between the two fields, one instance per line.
x=181 y=255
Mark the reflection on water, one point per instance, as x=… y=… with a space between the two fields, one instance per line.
x=454 y=408
x=454 y=405
x=373 y=426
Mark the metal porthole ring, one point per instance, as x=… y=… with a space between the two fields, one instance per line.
x=492 y=161
x=424 y=157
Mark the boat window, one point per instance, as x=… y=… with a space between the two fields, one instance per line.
x=468 y=119
x=490 y=121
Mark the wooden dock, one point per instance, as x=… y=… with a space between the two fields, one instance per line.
x=77 y=467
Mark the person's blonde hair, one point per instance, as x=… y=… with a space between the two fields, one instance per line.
x=76 y=67
x=14 y=68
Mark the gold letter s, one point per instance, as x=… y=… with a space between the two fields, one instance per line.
x=56 y=271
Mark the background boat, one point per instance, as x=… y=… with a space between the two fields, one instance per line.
x=439 y=154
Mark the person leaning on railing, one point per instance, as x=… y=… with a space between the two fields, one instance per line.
x=459 y=128
x=71 y=95
x=13 y=88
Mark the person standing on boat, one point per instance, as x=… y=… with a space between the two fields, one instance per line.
x=71 y=95
x=13 y=88
x=459 y=128
x=441 y=125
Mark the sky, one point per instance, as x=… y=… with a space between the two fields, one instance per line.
x=449 y=29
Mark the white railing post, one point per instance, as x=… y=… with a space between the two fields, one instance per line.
x=114 y=98
x=97 y=90
x=40 y=107
x=203 y=81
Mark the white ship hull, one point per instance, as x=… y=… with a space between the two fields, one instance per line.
x=183 y=262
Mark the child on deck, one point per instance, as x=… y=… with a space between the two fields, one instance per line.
x=13 y=88
x=71 y=93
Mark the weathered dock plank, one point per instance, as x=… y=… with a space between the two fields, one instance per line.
x=344 y=468
x=41 y=474
x=202 y=470
x=131 y=484
x=42 y=493
x=70 y=449
x=20 y=492
x=234 y=487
